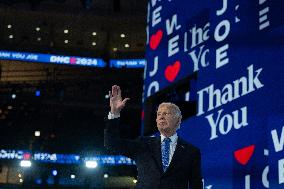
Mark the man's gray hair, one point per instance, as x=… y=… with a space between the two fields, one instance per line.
x=174 y=108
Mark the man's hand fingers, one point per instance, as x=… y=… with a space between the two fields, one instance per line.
x=125 y=100
x=118 y=91
x=114 y=90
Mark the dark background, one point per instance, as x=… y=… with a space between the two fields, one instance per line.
x=71 y=109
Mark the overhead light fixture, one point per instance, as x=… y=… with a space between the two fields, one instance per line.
x=66 y=31
x=9 y=26
x=94 y=33
x=122 y=35
x=38 y=181
x=37 y=133
x=72 y=176
x=14 y=96
x=37 y=92
x=94 y=43
x=54 y=172
x=134 y=181
x=11 y=36
x=91 y=164
x=39 y=39
x=25 y=163
x=37 y=28
x=105 y=175
x=114 y=49
x=66 y=41
x=126 y=45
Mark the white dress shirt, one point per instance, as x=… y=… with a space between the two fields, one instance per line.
x=112 y=116
x=173 y=144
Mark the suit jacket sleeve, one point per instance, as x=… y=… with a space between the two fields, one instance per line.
x=195 y=180
x=114 y=142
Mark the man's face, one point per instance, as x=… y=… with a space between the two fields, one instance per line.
x=166 y=120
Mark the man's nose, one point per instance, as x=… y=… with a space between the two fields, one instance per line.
x=161 y=117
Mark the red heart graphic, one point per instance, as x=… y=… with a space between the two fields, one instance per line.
x=156 y=39
x=73 y=60
x=172 y=71
x=243 y=155
x=27 y=156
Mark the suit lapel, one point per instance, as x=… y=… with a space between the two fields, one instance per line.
x=155 y=147
x=179 y=151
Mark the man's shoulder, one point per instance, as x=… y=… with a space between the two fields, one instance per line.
x=148 y=139
x=188 y=145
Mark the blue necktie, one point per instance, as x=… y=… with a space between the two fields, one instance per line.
x=166 y=153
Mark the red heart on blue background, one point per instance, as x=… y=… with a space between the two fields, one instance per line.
x=172 y=71
x=243 y=155
x=156 y=39
x=73 y=60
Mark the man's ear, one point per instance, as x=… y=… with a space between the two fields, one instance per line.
x=180 y=118
x=179 y=121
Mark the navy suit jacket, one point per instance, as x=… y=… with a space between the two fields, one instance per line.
x=183 y=172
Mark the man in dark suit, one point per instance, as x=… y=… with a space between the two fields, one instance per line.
x=164 y=162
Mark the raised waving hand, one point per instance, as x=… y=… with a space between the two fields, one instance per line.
x=115 y=100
